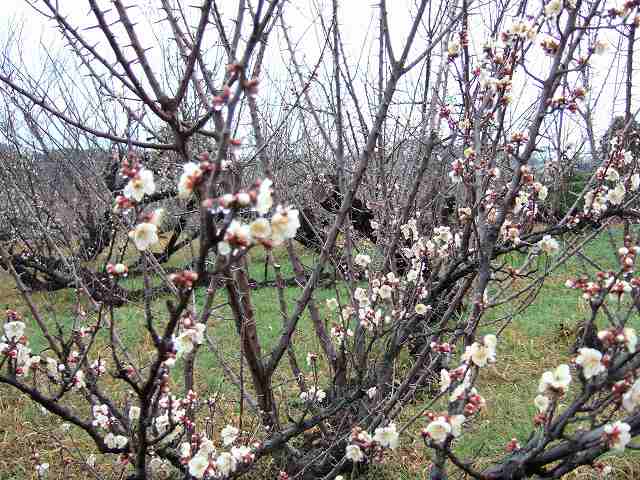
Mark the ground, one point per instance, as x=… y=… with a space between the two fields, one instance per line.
x=538 y=339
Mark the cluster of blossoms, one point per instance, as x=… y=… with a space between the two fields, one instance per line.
x=362 y=443
x=464 y=399
x=567 y=100
x=606 y=282
x=554 y=7
x=612 y=183
x=103 y=419
x=481 y=353
x=530 y=194
x=549 y=245
x=42 y=470
x=624 y=337
x=194 y=173
x=591 y=362
x=552 y=386
x=519 y=30
x=140 y=183
x=203 y=460
x=623 y=9
x=192 y=335
x=339 y=333
x=313 y=395
x=171 y=415
x=380 y=291
x=117 y=270
x=617 y=435
x=555 y=382
x=441 y=426
x=463 y=166
x=282 y=226
x=495 y=72
x=440 y=245
x=184 y=279
x=145 y=233
x=455 y=45
x=362 y=260
x=14 y=346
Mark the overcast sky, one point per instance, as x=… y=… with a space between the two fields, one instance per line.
x=358 y=27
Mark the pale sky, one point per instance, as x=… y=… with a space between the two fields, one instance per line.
x=358 y=27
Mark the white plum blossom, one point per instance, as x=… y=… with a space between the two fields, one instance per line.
x=522 y=200
x=630 y=339
x=617 y=435
x=549 y=245
x=229 y=435
x=616 y=196
x=456 y=422
x=438 y=429
x=311 y=358
x=207 y=447
x=332 y=304
x=553 y=8
x=115 y=441
x=412 y=276
x=600 y=47
x=144 y=235
x=101 y=416
x=387 y=436
x=542 y=403
x=185 y=449
x=542 y=190
x=483 y=353
x=354 y=453
x=442 y=235
x=139 y=186
x=225 y=463
x=186 y=341
x=371 y=392
x=134 y=413
x=385 y=292
x=78 y=380
x=361 y=296
x=260 y=229
x=13 y=331
x=591 y=362
x=612 y=175
x=445 y=380
x=190 y=175
x=242 y=453
x=458 y=392
x=198 y=465
x=42 y=470
x=453 y=48
x=421 y=309
x=162 y=423
x=313 y=395
x=52 y=367
x=362 y=260
x=595 y=201
x=631 y=398
x=264 y=200
x=557 y=380
x=284 y=224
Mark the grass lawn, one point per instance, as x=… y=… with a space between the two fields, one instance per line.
x=538 y=339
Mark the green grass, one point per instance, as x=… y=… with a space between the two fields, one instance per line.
x=535 y=341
